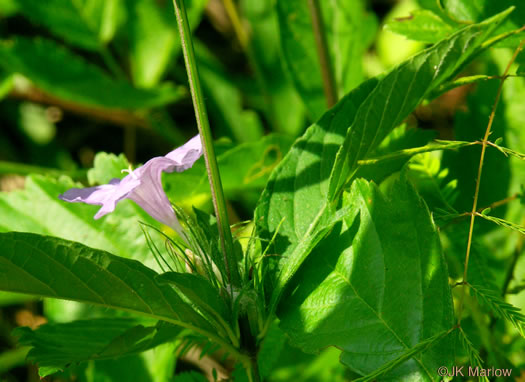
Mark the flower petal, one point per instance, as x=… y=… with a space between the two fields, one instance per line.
x=106 y=195
x=150 y=195
x=143 y=186
x=187 y=154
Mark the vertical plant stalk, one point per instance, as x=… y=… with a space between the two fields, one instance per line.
x=327 y=72
x=219 y=202
x=484 y=144
x=236 y=23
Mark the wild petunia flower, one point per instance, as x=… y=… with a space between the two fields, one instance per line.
x=142 y=185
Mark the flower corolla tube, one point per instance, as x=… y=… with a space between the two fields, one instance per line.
x=142 y=185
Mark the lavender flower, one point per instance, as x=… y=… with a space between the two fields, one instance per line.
x=142 y=185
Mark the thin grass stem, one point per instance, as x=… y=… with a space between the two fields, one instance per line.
x=219 y=201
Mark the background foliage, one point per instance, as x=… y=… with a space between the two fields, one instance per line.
x=363 y=216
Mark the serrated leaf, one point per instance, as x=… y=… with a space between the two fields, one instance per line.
x=460 y=11
x=86 y=23
x=385 y=269
x=303 y=187
x=349 y=31
x=107 y=166
x=421 y=25
x=400 y=91
x=55 y=346
x=51 y=267
x=58 y=71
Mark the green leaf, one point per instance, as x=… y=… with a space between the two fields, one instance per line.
x=7 y=299
x=191 y=376
x=8 y=8
x=58 y=71
x=473 y=353
x=153 y=37
x=86 y=23
x=152 y=40
x=198 y=290
x=501 y=176
x=9 y=359
x=278 y=97
x=349 y=29
x=6 y=83
x=493 y=301
x=408 y=354
x=521 y=70
x=51 y=267
x=422 y=26
x=118 y=233
x=106 y=167
x=224 y=100
x=385 y=269
x=395 y=150
x=55 y=346
x=400 y=91
x=461 y=11
x=303 y=187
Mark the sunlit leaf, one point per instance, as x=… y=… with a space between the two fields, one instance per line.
x=384 y=269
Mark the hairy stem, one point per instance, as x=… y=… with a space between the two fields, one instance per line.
x=484 y=144
x=327 y=73
x=219 y=201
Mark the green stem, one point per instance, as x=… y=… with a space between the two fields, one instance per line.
x=253 y=372
x=478 y=179
x=219 y=202
x=111 y=63
x=327 y=73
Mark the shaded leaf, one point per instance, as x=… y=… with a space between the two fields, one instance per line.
x=278 y=97
x=225 y=102
x=153 y=37
x=304 y=186
x=349 y=29
x=198 y=290
x=86 y=23
x=51 y=267
x=58 y=71
x=56 y=346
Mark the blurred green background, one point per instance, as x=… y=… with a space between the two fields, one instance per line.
x=79 y=77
